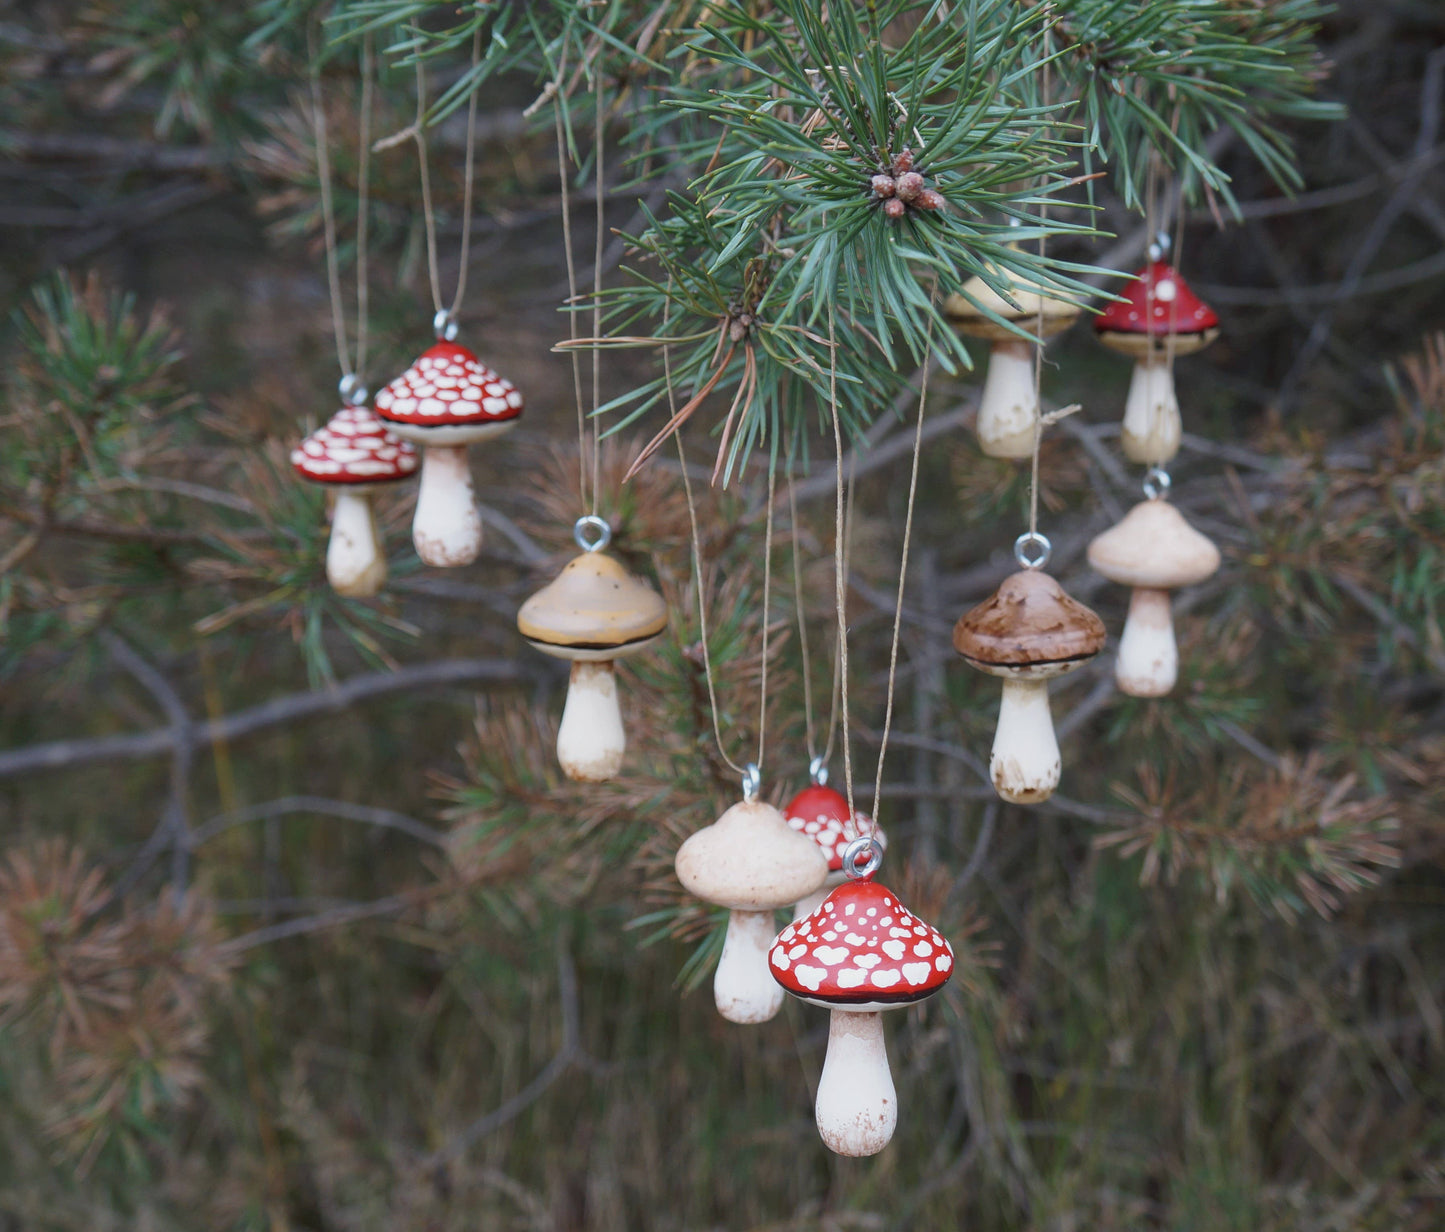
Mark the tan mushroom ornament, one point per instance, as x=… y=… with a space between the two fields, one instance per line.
x=861 y=953
x=353 y=454
x=594 y=613
x=1027 y=632
x=1154 y=550
x=447 y=400
x=751 y=862
x=1008 y=409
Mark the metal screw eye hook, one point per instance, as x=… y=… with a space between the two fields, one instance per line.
x=1032 y=550
x=862 y=857
x=818 y=772
x=444 y=325
x=1157 y=483
x=752 y=782
x=352 y=391
x=1159 y=249
x=587 y=526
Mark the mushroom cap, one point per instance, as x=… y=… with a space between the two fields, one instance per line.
x=1028 y=628
x=966 y=309
x=750 y=860
x=449 y=397
x=354 y=447
x=822 y=814
x=861 y=950
x=1153 y=548
x=1157 y=304
x=593 y=609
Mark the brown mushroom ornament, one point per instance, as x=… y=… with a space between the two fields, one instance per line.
x=447 y=400
x=752 y=863
x=1154 y=550
x=353 y=454
x=594 y=613
x=1027 y=632
x=861 y=953
x=1008 y=409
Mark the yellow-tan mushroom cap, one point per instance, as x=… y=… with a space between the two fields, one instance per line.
x=968 y=310
x=1153 y=548
x=594 y=609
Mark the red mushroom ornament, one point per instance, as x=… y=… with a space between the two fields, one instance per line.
x=354 y=453
x=823 y=815
x=860 y=953
x=1158 y=319
x=448 y=399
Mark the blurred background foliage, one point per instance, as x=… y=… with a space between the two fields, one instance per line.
x=300 y=926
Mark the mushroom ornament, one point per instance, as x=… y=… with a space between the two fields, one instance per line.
x=448 y=399
x=1027 y=632
x=594 y=613
x=1008 y=410
x=752 y=863
x=823 y=815
x=862 y=952
x=353 y=453
x=1154 y=550
x=1158 y=319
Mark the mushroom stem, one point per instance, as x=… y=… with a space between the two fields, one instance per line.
x=1009 y=408
x=447 y=529
x=1025 y=763
x=857 y=1107
x=1148 y=663
x=1152 y=426
x=355 y=563
x=743 y=987
x=590 y=739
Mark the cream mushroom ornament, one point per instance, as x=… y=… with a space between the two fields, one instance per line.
x=1027 y=632
x=354 y=454
x=1008 y=409
x=1154 y=550
x=593 y=613
x=447 y=400
x=751 y=862
x=822 y=813
x=859 y=954
x=1158 y=319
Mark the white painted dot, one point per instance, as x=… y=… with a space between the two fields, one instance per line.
x=866 y=961
x=894 y=949
x=886 y=977
x=810 y=977
x=923 y=949
x=943 y=962
x=915 y=973
x=851 y=977
x=831 y=955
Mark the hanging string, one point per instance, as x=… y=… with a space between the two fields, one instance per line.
x=428 y=213
x=328 y=211
x=840 y=589
x=597 y=159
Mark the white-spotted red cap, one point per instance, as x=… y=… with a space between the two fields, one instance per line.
x=354 y=446
x=861 y=950
x=822 y=814
x=449 y=387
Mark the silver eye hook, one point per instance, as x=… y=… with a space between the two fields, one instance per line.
x=587 y=526
x=1032 y=550
x=818 y=772
x=752 y=782
x=862 y=857
x=1157 y=483
x=444 y=325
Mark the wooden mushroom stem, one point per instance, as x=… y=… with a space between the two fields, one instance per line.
x=447 y=529
x=590 y=739
x=355 y=562
x=857 y=1106
x=743 y=988
x=1152 y=426
x=1148 y=662
x=1025 y=763
x=1009 y=407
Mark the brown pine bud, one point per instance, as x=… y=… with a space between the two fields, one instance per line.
x=903 y=161
x=909 y=185
x=930 y=199
x=883 y=185
x=894 y=208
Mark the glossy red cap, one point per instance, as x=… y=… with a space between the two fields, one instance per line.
x=1159 y=303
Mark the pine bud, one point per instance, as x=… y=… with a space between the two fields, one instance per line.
x=883 y=185
x=930 y=199
x=909 y=185
x=903 y=161
x=894 y=208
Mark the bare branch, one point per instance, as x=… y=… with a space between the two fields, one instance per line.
x=366 y=814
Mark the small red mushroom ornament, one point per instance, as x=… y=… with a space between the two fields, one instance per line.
x=861 y=953
x=822 y=814
x=353 y=453
x=1158 y=318
x=448 y=399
